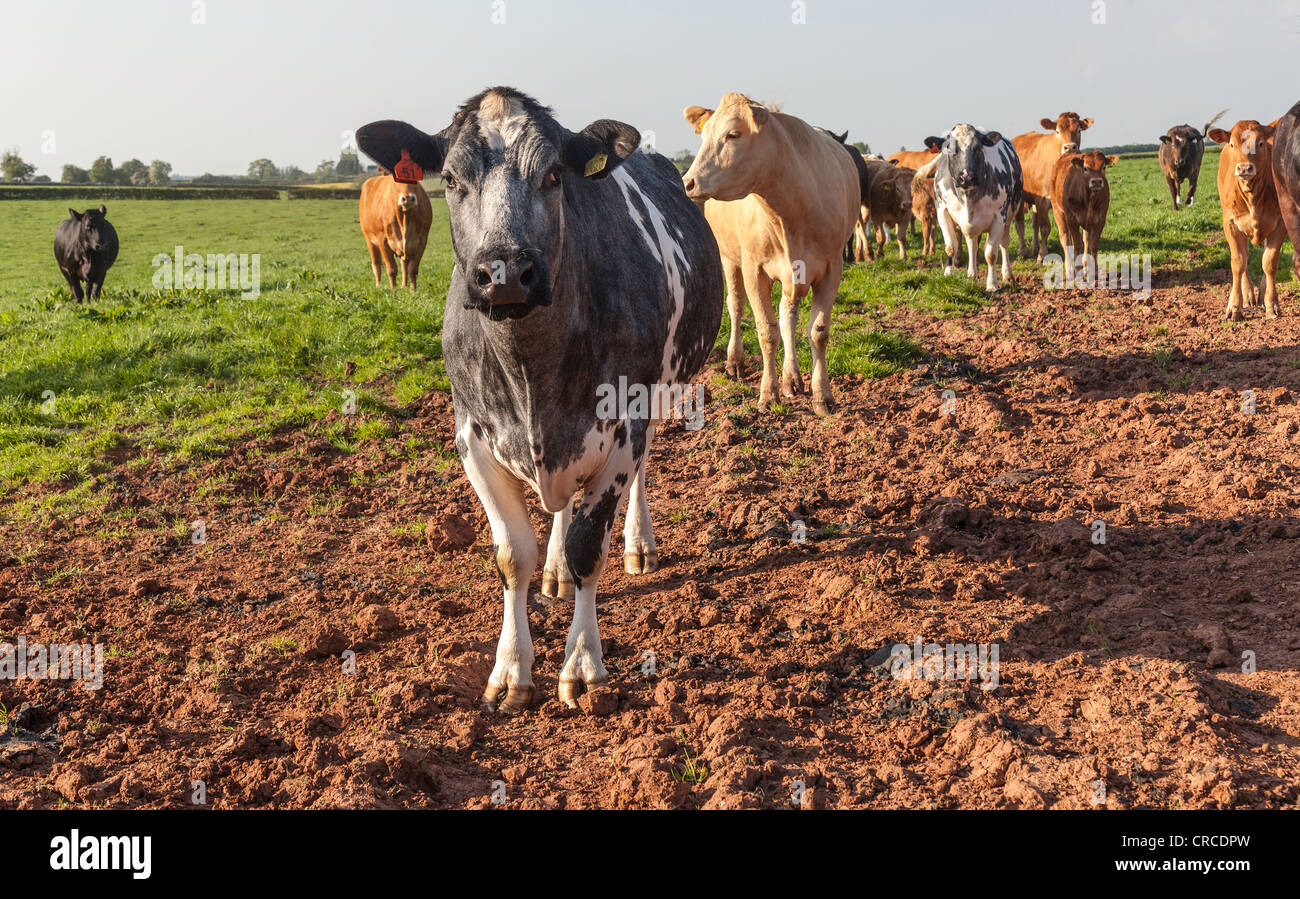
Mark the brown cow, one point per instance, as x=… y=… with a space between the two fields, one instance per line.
x=395 y=220
x=890 y=205
x=1080 y=200
x=782 y=199
x=1038 y=154
x=1248 y=197
x=913 y=159
x=925 y=211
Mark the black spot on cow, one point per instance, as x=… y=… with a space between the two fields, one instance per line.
x=587 y=535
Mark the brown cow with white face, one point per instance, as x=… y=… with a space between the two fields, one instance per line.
x=1248 y=197
x=1038 y=154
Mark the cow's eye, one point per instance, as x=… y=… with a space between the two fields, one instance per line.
x=733 y=135
x=449 y=180
x=553 y=178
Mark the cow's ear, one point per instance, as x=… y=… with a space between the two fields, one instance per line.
x=1085 y=124
x=759 y=116
x=72 y=213
x=697 y=117
x=1219 y=136
x=600 y=148
x=103 y=210
x=991 y=138
x=385 y=141
x=933 y=144
x=1049 y=124
x=1164 y=138
x=1111 y=160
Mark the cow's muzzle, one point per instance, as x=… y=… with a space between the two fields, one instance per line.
x=1246 y=170
x=508 y=283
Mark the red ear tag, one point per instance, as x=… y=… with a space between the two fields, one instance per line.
x=407 y=170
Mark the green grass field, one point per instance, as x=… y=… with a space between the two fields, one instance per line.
x=144 y=372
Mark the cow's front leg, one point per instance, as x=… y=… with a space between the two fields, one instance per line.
x=556 y=580
x=949 y=229
x=514 y=547
x=586 y=547
x=972 y=256
x=1020 y=234
x=791 y=378
x=736 y=311
x=819 y=335
x=1191 y=187
x=1268 y=286
x=758 y=286
x=640 y=554
x=1239 y=246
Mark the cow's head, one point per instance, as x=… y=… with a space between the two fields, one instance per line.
x=505 y=163
x=1248 y=149
x=1184 y=143
x=91 y=225
x=1093 y=165
x=1068 y=128
x=733 y=154
x=965 y=144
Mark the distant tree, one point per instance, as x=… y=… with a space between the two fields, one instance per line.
x=347 y=165
x=683 y=160
x=160 y=172
x=41 y=179
x=74 y=175
x=291 y=173
x=13 y=167
x=131 y=171
x=862 y=147
x=101 y=171
x=325 y=171
x=261 y=169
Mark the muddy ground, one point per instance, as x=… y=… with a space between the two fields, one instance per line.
x=1120 y=671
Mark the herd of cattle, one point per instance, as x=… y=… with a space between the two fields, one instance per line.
x=581 y=263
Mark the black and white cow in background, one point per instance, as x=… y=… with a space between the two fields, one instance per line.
x=578 y=261
x=977 y=188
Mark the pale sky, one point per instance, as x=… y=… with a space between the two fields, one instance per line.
x=284 y=79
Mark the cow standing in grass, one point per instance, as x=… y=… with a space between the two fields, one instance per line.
x=395 y=220
x=1248 y=197
x=1080 y=201
x=977 y=187
x=1038 y=152
x=85 y=247
x=578 y=262
x=1181 y=150
x=783 y=199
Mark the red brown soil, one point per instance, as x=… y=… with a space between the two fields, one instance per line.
x=1119 y=663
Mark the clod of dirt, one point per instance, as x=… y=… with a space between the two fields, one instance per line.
x=374 y=619
x=23 y=752
x=449 y=533
x=1216 y=637
x=326 y=641
x=145 y=587
x=600 y=701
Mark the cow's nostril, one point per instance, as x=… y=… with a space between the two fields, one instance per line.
x=526 y=277
x=690 y=184
x=483 y=278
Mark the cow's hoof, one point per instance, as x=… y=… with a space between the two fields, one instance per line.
x=1233 y=315
x=570 y=690
x=555 y=588
x=640 y=562
x=517 y=699
x=822 y=408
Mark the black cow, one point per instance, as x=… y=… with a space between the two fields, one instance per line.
x=85 y=246
x=864 y=183
x=1286 y=177
x=1181 y=150
x=578 y=262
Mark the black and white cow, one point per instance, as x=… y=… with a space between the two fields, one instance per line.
x=578 y=261
x=977 y=188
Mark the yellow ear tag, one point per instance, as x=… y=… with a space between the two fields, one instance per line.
x=594 y=165
x=698 y=129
